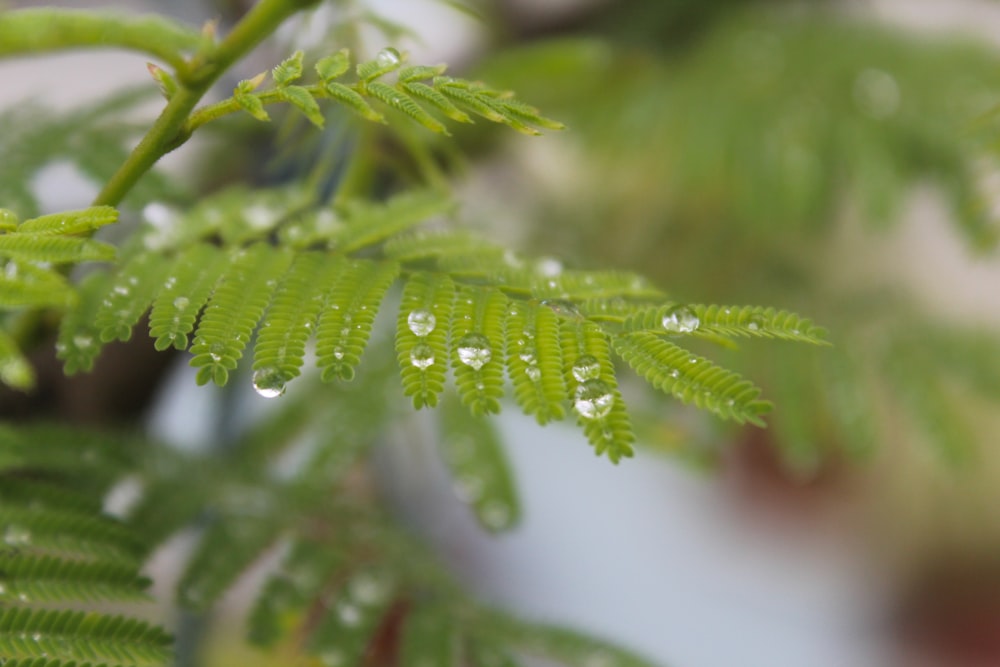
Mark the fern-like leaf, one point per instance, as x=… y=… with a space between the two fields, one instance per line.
x=70 y=222
x=477 y=336
x=691 y=378
x=25 y=578
x=422 y=336
x=75 y=635
x=402 y=102
x=50 y=249
x=480 y=470
x=23 y=284
x=132 y=290
x=590 y=376
x=350 y=309
x=534 y=361
x=238 y=302
x=78 y=342
x=186 y=289
x=368 y=224
x=746 y=321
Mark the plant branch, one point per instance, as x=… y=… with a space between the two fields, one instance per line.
x=195 y=79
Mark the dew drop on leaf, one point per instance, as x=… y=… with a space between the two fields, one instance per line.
x=16 y=535
x=388 y=57
x=348 y=614
x=421 y=322
x=681 y=320
x=82 y=342
x=534 y=373
x=180 y=303
x=562 y=307
x=474 y=350
x=586 y=367
x=593 y=399
x=268 y=382
x=422 y=356
x=338 y=353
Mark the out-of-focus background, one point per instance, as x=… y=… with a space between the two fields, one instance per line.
x=836 y=158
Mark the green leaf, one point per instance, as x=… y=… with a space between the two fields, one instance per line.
x=534 y=361
x=352 y=100
x=358 y=290
x=186 y=290
x=402 y=102
x=690 y=378
x=289 y=70
x=479 y=468
x=54 y=249
x=70 y=222
x=422 y=336
x=303 y=100
x=333 y=66
x=132 y=290
x=477 y=336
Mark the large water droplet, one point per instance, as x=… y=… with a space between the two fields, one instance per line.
x=421 y=322
x=474 y=350
x=527 y=355
x=388 y=57
x=593 y=399
x=269 y=382
x=549 y=267
x=681 y=320
x=422 y=356
x=587 y=367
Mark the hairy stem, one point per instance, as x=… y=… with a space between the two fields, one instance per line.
x=167 y=133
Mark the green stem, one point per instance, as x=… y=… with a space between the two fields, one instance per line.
x=167 y=133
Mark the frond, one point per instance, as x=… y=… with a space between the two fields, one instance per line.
x=70 y=222
x=402 y=102
x=535 y=363
x=369 y=223
x=746 y=321
x=75 y=635
x=351 y=305
x=477 y=336
x=441 y=246
x=47 y=579
x=132 y=289
x=185 y=291
x=237 y=304
x=422 y=336
x=590 y=376
x=690 y=378
x=44 y=248
x=78 y=343
x=281 y=344
x=15 y=369
x=66 y=533
x=479 y=468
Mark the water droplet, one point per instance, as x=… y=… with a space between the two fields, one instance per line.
x=3 y=589
x=180 y=303
x=422 y=356
x=23 y=597
x=348 y=614
x=82 y=341
x=681 y=320
x=474 y=350
x=269 y=382
x=216 y=351
x=120 y=290
x=593 y=399
x=876 y=93
x=259 y=217
x=388 y=57
x=534 y=373
x=693 y=360
x=16 y=535
x=170 y=282
x=421 y=322
x=338 y=353
x=496 y=515
x=754 y=324
x=469 y=488
x=675 y=373
x=527 y=355
x=562 y=307
x=549 y=267
x=587 y=367
x=332 y=658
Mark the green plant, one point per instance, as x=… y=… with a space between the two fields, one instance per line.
x=295 y=263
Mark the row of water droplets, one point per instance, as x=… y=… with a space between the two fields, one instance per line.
x=473 y=349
